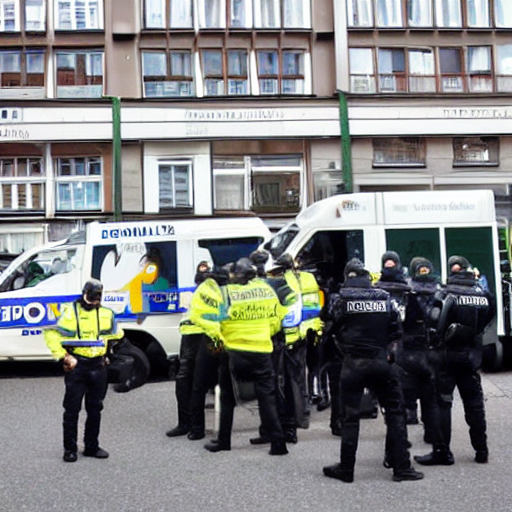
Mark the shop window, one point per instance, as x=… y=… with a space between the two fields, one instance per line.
x=419 y=13
x=504 y=68
x=22 y=183
x=174 y=184
x=389 y=13
x=471 y=151
x=503 y=13
x=79 y=74
x=399 y=152
x=362 y=72
x=478 y=61
x=167 y=74
x=78 y=14
x=79 y=183
x=478 y=13
x=360 y=13
x=448 y=13
x=281 y=73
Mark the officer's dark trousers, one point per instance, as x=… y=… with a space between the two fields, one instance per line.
x=89 y=379
x=419 y=379
x=205 y=377
x=383 y=377
x=189 y=348
x=460 y=368
x=257 y=368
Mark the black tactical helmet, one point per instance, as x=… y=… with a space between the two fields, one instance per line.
x=243 y=271
x=220 y=275
x=417 y=263
x=458 y=260
x=259 y=257
x=393 y=256
x=355 y=268
x=92 y=290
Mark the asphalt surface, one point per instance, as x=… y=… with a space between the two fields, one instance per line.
x=149 y=472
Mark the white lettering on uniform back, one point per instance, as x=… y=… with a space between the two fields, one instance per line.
x=472 y=300
x=366 y=306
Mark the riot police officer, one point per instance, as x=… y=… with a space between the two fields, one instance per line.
x=365 y=322
x=465 y=311
x=80 y=341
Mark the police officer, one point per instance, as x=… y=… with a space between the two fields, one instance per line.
x=84 y=329
x=259 y=259
x=365 y=324
x=415 y=357
x=244 y=322
x=466 y=309
x=191 y=341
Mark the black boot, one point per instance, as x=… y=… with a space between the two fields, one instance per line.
x=438 y=457
x=259 y=440
x=218 y=446
x=177 y=431
x=402 y=475
x=482 y=456
x=278 y=448
x=336 y=471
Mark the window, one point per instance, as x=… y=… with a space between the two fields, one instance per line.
x=448 y=13
x=392 y=70
x=227 y=250
x=9 y=16
x=359 y=13
x=478 y=13
x=362 y=73
x=22 y=69
x=212 y=13
x=389 y=13
x=78 y=14
x=154 y=13
x=240 y=13
x=504 y=68
x=296 y=14
x=35 y=15
x=468 y=151
x=167 y=74
x=238 y=82
x=478 y=62
x=22 y=183
x=181 y=15
x=275 y=181
x=503 y=13
x=419 y=13
x=267 y=14
x=212 y=72
x=291 y=80
x=421 y=71
x=450 y=63
x=79 y=183
x=174 y=184
x=214 y=78
x=399 y=152
x=79 y=74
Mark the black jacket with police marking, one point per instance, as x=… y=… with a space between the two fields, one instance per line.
x=466 y=310
x=365 y=320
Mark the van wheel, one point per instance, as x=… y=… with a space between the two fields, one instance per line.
x=157 y=360
x=137 y=373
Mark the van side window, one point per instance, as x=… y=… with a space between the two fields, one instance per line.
x=326 y=253
x=409 y=243
x=228 y=250
x=281 y=240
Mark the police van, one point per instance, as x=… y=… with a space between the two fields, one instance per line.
x=433 y=224
x=147 y=269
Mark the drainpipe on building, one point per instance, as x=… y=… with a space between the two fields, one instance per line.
x=116 y=158
x=346 y=151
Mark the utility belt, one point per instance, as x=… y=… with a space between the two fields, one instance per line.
x=89 y=361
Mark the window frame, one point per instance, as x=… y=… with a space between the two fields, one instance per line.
x=190 y=184
x=280 y=76
x=73 y=16
x=16 y=13
x=74 y=178
x=366 y=5
x=493 y=146
x=16 y=181
x=67 y=90
x=391 y=144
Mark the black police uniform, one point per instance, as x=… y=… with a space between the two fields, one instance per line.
x=419 y=377
x=366 y=323
x=467 y=309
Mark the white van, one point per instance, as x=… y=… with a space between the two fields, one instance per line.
x=434 y=225
x=147 y=269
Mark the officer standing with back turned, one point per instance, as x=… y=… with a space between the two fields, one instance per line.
x=80 y=341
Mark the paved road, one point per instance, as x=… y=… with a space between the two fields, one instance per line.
x=148 y=472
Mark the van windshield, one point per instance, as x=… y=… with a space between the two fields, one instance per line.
x=278 y=244
x=229 y=250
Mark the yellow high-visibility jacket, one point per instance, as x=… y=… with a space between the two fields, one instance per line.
x=97 y=324
x=312 y=303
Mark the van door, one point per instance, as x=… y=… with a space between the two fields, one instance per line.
x=326 y=253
